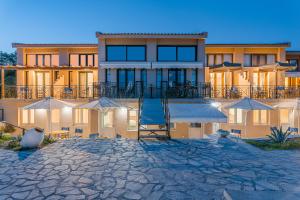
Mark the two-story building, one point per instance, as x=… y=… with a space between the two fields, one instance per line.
x=132 y=68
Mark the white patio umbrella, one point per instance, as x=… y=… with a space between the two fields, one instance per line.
x=102 y=104
x=249 y=104
x=48 y=104
x=291 y=104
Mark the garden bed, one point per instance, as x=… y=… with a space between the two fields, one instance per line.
x=290 y=144
x=13 y=143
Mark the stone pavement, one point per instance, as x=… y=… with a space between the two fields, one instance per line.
x=128 y=169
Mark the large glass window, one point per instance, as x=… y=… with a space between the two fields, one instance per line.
x=217 y=59
x=132 y=119
x=260 y=116
x=176 y=53
x=81 y=116
x=235 y=116
x=159 y=78
x=42 y=59
x=136 y=53
x=107 y=119
x=28 y=116
x=125 y=53
x=83 y=60
x=144 y=77
x=259 y=59
x=126 y=78
x=176 y=77
x=194 y=76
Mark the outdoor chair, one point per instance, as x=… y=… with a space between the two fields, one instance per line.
x=94 y=135
x=237 y=132
x=78 y=132
x=293 y=130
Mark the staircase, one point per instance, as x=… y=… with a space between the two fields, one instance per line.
x=153 y=118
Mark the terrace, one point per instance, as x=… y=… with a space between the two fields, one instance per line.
x=137 y=89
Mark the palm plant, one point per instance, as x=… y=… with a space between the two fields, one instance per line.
x=278 y=135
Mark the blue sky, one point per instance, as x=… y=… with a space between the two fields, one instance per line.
x=76 y=21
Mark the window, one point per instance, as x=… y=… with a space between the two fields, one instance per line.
x=42 y=60
x=126 y=78
x=83 y=60
x=107 y=119
x=217 y=59
x=235 y=116
x=159 y=78
x=176 y=77
x=144 y=77
x=107 y=75
x=132 y=119
x=28 y=116
x=186 y=53
x=284 y=116
x=194 y=76
x=259 y=59
x=125 y=53
x=260 y=117
x=81 y=116
x=172 y=125
x=55 y=115
x=195 y=125
x=176 y=53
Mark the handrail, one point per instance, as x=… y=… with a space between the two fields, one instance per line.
x=23 y=129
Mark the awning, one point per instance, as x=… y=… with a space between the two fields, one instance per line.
x=181 y=65
x=125 y=65
x=196 y=113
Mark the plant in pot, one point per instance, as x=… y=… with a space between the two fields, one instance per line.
x=223 y=133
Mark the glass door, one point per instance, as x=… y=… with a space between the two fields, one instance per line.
x=86 y=81
x=43 y=84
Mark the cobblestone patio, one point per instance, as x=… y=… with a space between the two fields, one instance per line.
x=128 y=169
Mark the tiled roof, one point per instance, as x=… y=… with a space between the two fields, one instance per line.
x=152 y=35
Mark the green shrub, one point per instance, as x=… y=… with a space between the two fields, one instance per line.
x=14 y=144
x=278 y=135
x=8 y=128
x=48 y=140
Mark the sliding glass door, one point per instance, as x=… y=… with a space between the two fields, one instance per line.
x=86 y=81
x=43 y=85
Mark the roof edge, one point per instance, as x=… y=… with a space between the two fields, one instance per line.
x=54 y=45
x=283 y=44
x=153 y=35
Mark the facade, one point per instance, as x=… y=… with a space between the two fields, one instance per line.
x=129 y=67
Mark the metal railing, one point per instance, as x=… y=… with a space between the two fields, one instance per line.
x=139 y=89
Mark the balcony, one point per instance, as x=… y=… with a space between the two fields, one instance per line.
x=137 y=89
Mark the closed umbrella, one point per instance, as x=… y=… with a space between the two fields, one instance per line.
x=249 y=104
x=49 y=103
x=291 y=104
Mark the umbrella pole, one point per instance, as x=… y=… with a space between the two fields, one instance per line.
x=246 y=123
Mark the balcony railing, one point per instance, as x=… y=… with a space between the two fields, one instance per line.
x=138 y=89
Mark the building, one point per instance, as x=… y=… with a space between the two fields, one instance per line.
x=131 y=67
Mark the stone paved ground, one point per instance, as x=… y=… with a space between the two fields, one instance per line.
x=128 y=169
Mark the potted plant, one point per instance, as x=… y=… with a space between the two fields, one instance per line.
x=223 y=133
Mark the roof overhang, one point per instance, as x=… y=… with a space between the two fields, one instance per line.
x=125 y=65
x=252 y=45
x=23 y=45
x=176 y=65
x=201 y=35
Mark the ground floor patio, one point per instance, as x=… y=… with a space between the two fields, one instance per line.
x=131 y=169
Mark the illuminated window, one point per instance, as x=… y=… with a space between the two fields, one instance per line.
x=260 y=117
x=83 y=60
x=132 y=119
x=55 y=115
x=284 y=116
x=27 y=116
x=81 y=116
x=235 y=116
x=74 y=60
x=107 y=119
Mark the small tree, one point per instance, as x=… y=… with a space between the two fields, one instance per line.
x=8 y=128
x=278 y=135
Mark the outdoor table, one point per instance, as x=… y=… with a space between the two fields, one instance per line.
x=61 y=134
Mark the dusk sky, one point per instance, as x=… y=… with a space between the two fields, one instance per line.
x=76 y=21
